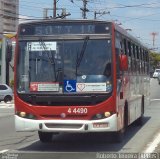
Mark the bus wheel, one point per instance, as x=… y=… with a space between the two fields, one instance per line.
x=120 y=134
x=45 y=136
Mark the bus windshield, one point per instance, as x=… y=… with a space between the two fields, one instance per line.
x=65 y=66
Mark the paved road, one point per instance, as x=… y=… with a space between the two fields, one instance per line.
x=74 y=146
x=6 y=109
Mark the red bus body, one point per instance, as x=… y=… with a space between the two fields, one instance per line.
x=124 y=105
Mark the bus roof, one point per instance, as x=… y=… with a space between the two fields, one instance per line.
x=64 y=20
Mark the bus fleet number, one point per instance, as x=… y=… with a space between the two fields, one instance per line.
x=78 y=111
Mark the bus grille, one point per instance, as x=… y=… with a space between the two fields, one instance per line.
x=64 y=100
x=67 y=117
x=63 y=126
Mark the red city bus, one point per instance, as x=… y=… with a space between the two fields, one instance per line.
x=78 y=76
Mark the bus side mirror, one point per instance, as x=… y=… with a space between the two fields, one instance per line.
x=123 y=62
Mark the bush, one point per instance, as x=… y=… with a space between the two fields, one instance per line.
x=12 y=84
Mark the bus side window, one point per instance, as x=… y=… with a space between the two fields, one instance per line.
x=134 y=58
x=136 y=64
x=147 y=61
x=117 y=62
x=137 y=59
x=142 y=60
x=118 y=51
x=129 y=57
x=125 y=46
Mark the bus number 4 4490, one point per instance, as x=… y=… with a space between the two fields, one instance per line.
x=77 y=110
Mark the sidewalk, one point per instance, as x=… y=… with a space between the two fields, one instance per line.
x=157 y=149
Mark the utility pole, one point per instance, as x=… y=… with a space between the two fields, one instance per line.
x=45 y=13
x=84 y=9
x=54 y=8
x=154 y=34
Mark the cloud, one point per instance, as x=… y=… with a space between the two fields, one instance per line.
x=23 y=18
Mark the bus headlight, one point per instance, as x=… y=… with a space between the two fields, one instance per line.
x=107 y=114
x=22 y=114
x=101 y=115
x=26 y=115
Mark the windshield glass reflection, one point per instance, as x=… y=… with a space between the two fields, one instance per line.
x=56 y=61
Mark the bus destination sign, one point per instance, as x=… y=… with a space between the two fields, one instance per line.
x=64 y=28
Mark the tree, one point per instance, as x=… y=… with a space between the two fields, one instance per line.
x=154 y=60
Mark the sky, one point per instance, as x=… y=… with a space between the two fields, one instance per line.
x=142 y=17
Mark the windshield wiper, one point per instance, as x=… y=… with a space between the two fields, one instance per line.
x=79 y=59
x=51 y=59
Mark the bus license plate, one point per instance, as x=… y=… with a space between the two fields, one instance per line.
x=100 y=125
x=78 y=111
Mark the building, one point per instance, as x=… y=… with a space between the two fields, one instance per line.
x=9 y=13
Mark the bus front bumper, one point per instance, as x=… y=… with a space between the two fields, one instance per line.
x=103 y=125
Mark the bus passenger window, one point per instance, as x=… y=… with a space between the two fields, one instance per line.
x=125 y=46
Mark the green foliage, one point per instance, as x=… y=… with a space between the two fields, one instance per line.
x=154 y=59
x=12 y=84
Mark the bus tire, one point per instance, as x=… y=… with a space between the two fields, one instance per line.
x=120 y=134
x=45 y=136
x=126 y=115
x=139 y=121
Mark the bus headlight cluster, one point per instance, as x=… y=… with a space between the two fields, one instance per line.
x=26 y=115
x=107 y=114
x=101 y=115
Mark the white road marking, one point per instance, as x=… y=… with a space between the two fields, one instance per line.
x=6 y=105
x=3 y=151
x=152 y=146
x=155 y=100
